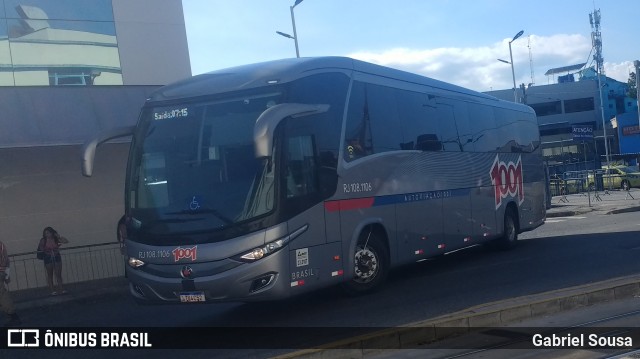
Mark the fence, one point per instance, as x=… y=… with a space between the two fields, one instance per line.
x=572 y=182
x=79 y=264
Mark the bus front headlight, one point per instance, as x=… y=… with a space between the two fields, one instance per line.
x=270 y=248
x=261 y=252
x=135 y=262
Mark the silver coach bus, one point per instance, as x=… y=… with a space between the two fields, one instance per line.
x=268 y=180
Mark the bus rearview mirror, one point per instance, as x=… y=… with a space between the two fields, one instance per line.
x=271 y=117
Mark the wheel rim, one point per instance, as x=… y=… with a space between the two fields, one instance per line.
x=625 y=185
x=366 y=264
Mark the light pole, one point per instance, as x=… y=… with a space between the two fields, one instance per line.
x=293 y=22
x=637 y=65
x=513 y=72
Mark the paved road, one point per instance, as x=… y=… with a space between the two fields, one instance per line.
x=566 y=252
x=578 y=245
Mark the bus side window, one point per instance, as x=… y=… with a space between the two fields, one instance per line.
x=419 y=127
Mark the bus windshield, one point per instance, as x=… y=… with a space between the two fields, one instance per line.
x=194 y=169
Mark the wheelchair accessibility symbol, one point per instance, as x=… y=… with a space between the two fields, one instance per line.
x=195 y=203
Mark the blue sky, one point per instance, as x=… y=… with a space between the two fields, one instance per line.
x=455 y=41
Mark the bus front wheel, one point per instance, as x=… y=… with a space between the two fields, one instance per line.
x=371 y=264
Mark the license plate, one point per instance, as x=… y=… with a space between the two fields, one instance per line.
x=192 y=297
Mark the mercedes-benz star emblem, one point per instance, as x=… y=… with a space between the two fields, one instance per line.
x=186 y=272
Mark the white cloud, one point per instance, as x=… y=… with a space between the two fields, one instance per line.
x=619 y=71
x=478 y=68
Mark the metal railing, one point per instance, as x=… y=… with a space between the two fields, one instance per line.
x=574 y=182
x=79 y=264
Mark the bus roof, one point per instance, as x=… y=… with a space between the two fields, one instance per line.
x=285 y=70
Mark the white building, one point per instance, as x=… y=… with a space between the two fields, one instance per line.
x=67 y=70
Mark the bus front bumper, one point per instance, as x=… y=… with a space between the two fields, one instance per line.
x=265 y=279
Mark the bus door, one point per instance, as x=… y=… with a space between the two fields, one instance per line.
x=315 y=253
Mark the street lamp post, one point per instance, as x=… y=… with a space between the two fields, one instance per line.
x=637 y=65
x=513 y=72
x=293 y=23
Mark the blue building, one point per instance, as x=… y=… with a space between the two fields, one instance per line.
x=574 y=101
x=628 y=130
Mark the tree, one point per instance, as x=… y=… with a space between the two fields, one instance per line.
x=633 y=91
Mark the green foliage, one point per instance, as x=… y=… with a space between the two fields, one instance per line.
x=633 y=91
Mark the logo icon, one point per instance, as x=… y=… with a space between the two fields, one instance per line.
x=21 y=338
x=183 y=253
x=507 y=180
x=186 y=272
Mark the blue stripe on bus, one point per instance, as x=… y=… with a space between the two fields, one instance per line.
x=359 y=203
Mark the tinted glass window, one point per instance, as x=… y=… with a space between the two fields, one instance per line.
x=99 y=10
x=385 y=124
x=313 y=141
x=454 y=125
x=301 y=168
x=485 y=135
x=329 y=89
x=519 y=130
x=547 y=108
x=419 y=122
x=358 y=142
x=447 y=127
x=579 y=105
x=372 y=121
x=58 y=43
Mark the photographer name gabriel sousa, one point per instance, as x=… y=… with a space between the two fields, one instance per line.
x=581 y=341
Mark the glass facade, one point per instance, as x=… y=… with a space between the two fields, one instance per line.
x=58 y=43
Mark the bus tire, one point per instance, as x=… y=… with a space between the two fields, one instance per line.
x=371 y=264
x=509 y=237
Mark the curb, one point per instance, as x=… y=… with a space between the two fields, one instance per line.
x=624 y=210
x=569 y=213
x=485 y=315
x=584 y=210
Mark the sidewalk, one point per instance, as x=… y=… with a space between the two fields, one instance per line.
x=76 y=292
x=611 y=202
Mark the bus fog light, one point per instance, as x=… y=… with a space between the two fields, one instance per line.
x=261 y=282
x=135 y=262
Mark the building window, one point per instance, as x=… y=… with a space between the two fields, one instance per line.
x=579 y=105
x=547 y=108
x=72 y=77
x=44 y=42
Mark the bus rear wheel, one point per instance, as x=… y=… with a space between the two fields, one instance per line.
x=371 y=265
x=510 y=235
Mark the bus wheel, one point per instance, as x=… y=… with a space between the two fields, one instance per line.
x=510 y=236
x=371 y=265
